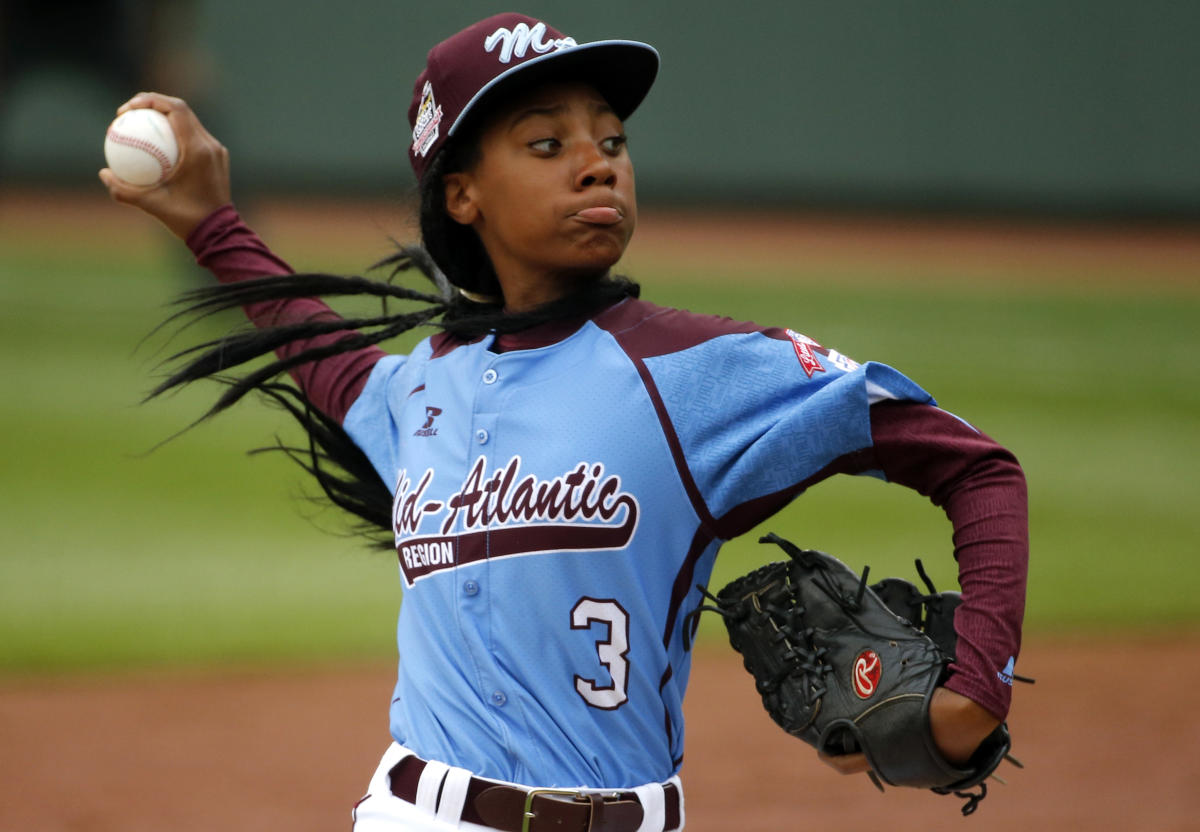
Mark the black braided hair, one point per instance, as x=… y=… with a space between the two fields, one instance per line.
x=452 y=256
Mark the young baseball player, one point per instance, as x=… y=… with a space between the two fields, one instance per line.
x=559 y=464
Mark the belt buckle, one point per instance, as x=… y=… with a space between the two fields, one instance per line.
x=528 y=814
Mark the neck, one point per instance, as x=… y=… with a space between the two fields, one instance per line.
x=577 y=300
x=525 y=293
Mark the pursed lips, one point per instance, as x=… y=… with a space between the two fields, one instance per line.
x=600 y=215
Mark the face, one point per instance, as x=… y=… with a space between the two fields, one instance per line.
x=551 y=195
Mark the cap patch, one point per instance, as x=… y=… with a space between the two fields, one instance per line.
x=429 y=116
x=520 y=38
x=867 y=669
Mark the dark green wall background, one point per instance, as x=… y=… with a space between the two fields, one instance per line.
x=1074 y=107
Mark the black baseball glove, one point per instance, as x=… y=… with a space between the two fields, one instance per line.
x=849 y=668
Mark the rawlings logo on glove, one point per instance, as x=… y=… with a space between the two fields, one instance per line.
x=866 y=674
x=850 y=668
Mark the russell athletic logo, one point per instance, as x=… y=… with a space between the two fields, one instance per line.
x=521 y=38
x=428 y=429
x=503 y=513
x=867 y=669
x=1010 y=670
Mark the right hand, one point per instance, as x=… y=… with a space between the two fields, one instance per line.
x=200 y=182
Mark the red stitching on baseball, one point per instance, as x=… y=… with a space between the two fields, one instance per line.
x=141 y=144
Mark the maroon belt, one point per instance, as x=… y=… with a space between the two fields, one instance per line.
x=560 y=810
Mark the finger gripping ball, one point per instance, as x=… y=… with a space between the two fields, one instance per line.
x=140 y=147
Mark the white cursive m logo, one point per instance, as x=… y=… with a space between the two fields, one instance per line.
x=518 y=40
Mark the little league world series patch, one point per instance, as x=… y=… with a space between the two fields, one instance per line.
x=429 y=117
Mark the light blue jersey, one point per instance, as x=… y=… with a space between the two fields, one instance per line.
x=555 y=508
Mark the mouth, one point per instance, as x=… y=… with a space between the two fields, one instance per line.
x=600 y=215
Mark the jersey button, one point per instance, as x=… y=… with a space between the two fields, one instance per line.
x=498 y=698
x=471 y=588
x=490 y=376
x=481 y=436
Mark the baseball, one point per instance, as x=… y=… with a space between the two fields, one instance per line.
x=140 y=147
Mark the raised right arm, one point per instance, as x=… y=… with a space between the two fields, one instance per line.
x=225 y=245
x=195 y=205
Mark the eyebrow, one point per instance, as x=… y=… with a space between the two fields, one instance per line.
x=599 y=107
x=536 y=110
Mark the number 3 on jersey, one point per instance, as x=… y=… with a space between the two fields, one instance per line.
x=611 y=651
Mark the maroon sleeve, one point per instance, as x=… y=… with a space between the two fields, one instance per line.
x=224 y=244
x=981 y=487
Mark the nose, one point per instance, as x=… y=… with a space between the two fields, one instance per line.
x=595 y=168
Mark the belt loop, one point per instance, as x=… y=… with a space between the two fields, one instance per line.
x=430 y=786
x=381 y=781
x=454 y=795
x=654 y=813
x=678 y=783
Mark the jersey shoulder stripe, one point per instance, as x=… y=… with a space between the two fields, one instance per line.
x=645 y=330
x=752 y=414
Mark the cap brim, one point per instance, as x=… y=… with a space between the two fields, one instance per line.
x=621 y=70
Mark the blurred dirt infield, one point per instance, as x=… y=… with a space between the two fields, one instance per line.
x=710 y=243
x=1107 y=735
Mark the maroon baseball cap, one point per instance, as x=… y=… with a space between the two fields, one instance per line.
x=508 y=49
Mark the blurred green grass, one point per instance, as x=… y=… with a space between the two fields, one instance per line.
x=116 y=556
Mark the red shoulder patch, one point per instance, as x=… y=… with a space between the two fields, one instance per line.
x=803 y=345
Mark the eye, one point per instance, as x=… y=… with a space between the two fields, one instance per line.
x=545 y=146
x=613 y=144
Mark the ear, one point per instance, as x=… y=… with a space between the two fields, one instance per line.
x=460 y=198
